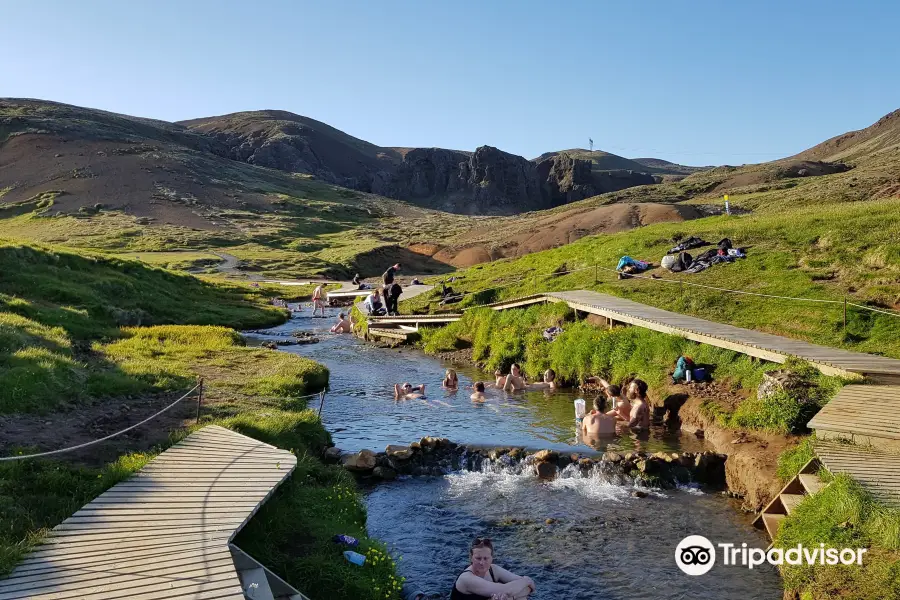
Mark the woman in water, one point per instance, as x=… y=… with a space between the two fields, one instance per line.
x=483 y=580
x=450 y=380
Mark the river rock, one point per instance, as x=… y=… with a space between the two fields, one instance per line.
x=364 y=460
x=398 y=452
x=545 y=470
x=333 y=454
x=778 y=381
x=564 y=461
x=546 y=456
x=515 y=453
x=613 y=457
x=639 y=494
x=496 y=453
x=385 y=473
x=428 y=443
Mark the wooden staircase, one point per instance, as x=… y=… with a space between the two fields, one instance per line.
x=806 y=483
x=259 y=583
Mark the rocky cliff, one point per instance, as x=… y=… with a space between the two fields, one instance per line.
x=487 y=181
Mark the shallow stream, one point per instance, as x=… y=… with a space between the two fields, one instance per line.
x=601 y=542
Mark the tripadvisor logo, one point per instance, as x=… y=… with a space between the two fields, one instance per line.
x=696 y=555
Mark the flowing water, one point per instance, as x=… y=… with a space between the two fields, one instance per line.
x=601 y=542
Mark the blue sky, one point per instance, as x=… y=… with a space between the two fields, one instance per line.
x=692 y=82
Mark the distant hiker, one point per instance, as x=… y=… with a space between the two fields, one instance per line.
x=318 y=301
x=408 y=392
x=392 y=297
x=356 y=279
x=343 y=325
x=483 y=580
x=451 y=382
x=549 y=382
x=478 y=395
x=514 y=381
x=597 y=422
x=373 y=305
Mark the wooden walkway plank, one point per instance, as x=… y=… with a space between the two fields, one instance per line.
x=163 y=533
x=878 y=471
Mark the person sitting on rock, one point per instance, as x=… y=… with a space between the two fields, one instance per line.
x=483 y=580
x=451 y=382
x=549 y=382
x=597 y=422
x=478 y=395
x=343 y=325
x=639 y=418
x=408 y=392
x=514 y=381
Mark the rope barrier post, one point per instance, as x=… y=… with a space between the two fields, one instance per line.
x=845 y=314
x=199 y=399
x=321 y=402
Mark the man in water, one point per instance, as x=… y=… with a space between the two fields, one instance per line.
x=478 y=395
x=499 y=379
x=514 y=381
x=549 y=382
x=597 y=422
x=639 y=418
x=343 y=325
x=408 y=392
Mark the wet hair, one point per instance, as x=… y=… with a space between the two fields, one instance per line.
x=451 y=372
x=551 y=374
x=479 y=386
x=641 y=387
x=515 y=366
x=406 y=385
x=341 y=315
x=600 y=403
x=614 y=391
x=481 y=542
x=498 y=373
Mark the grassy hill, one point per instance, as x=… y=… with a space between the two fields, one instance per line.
x=607 y=161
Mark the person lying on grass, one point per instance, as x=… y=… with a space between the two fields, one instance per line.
x=514 y=381
x=549 y=382
x=483 y=580
x=408 y=392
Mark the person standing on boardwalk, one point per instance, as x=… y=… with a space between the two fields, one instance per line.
x=387 y=279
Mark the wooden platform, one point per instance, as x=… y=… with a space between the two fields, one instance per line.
x=830 y=361
x=864 y=414
x=878 y=471
x=416 y=320
x=162 y=534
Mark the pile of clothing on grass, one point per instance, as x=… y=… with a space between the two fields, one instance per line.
x=550 y=333
x=685 y=263
x=688 y=244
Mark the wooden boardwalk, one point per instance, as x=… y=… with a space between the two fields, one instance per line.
x=830 y=361
x=864 y=414
x=877 y=470
x=165 y=532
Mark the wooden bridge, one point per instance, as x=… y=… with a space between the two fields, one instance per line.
x=831 y=361
x=166 y=532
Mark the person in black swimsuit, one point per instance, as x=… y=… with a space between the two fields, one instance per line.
x=483 y=580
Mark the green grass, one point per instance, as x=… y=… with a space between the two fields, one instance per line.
x=843 y=515
x=822 y=252
x=792 y=460
x=61 y=314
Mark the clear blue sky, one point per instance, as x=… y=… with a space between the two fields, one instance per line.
x=707 y=82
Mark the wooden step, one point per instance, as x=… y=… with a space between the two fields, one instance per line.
x=811 y=483
x=772 y=522
x=790 y=501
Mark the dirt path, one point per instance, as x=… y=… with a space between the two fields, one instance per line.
x=229 y=264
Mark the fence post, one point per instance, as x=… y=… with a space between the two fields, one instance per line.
x=199 y=400
x=596 y=274
x=845 y=314
x=321 y=402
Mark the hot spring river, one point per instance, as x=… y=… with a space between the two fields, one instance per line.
x=601 y=542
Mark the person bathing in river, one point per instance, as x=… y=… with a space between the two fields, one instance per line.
x=408 y=392
x=636 y=393
x=549 y=382
x=478 y=394
x=318 y=301
x=598 y=422
x=343 y=325
x=499 y=379
x=483 y=580
x=450 y=380
x=514 y=381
